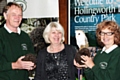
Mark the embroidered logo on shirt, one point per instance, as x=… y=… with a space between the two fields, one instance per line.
x=24 y=46
x=103 y=65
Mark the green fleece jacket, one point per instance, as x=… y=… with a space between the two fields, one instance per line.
x=13 y=46
x=107 y=66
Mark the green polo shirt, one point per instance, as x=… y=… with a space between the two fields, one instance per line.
x=106 y=66
x=13 y=46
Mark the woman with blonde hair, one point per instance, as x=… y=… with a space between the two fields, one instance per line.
x=55 y=62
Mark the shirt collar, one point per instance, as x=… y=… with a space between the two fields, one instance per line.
x=110 y=49
x=18 y=29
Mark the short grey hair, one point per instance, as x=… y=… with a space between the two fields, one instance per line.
x=47 y=30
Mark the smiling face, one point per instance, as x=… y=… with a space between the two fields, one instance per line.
x=108 y=33
x=107 y=39
x=55 y=36
x=13 y=16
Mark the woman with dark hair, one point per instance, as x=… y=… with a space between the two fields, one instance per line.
x=106 y=63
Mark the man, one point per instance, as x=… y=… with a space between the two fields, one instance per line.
x=14 y=44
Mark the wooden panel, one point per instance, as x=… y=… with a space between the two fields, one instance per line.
x=63 y=17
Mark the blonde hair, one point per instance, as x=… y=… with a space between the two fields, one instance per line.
x=47 y=30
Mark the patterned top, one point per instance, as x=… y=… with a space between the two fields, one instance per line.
x=57 y=66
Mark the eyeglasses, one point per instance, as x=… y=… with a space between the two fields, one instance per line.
x=107 y=33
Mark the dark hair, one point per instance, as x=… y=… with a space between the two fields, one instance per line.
x=111 y=25
x=5 y=9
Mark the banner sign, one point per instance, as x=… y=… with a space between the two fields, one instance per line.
x=38 y=8
x=86 y=14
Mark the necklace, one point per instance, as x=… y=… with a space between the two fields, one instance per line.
x=55 y=49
